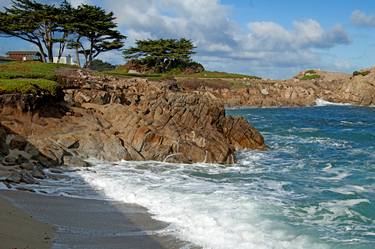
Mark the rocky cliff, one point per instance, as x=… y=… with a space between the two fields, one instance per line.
x=302 y=90
x=112 y=119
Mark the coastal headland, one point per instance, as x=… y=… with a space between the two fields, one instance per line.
x=173 y=119
x=109 y=117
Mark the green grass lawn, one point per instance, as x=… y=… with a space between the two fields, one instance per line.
x=121 y=72
x=29 y=77
x=28 y=85
x=218 y=75
x=29 y=70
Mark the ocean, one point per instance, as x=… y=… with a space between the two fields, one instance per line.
x=313 y=188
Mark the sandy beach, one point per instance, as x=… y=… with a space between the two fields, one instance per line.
x=20 y=230
x=30 y=220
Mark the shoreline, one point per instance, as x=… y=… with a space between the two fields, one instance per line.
x=80 y=223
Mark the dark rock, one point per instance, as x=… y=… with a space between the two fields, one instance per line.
x=4 y=148
x=15 y=177
x=38 y=173
x=28 y=166
x=9 y=160
x=75 y=161
x=21 y=177
x=57 y=176
x=28 y=178
x=17 y=142
x=56 y=171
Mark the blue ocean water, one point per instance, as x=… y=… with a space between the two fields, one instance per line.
x=325 y=158
x=313 y=188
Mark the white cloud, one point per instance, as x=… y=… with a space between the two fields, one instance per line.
x=305 y=35
x=264 y=45
x=75 y=3
x=4 y=3
x=209 y=24
x=361 y=19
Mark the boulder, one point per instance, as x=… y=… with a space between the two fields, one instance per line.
x=15 y=177
x=38 y=173
x=74 y=161
x=17 y=142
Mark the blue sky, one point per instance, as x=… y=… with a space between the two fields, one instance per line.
x=269 y=38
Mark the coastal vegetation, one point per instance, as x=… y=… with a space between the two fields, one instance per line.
x=29 y=77
x=87 y=29
x=100 y=66
x=31 y=69
x=161 y=56
x=363 y=73
x=310 y=75
x=123 y=71
x=28 y=86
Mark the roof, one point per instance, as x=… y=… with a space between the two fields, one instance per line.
x=23 y=52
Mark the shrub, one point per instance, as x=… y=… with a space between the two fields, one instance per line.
x=310 y=76
x=310 y=72
x=363 y=73
x=99 y=65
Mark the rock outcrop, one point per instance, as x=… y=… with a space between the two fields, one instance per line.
x=111 y=119
x=356 y=89
x=159 y=121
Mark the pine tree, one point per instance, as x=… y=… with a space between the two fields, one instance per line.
x=35 y=22
x=94 y=32
x=90 y=30
x=162 y=54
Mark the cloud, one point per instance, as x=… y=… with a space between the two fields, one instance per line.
x=307 y=34
x=361 y=19
x=4 y=3
x=209 y=24
x=221 y=42
x=75 y=3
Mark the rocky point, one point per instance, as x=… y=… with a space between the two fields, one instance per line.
x=116 y=119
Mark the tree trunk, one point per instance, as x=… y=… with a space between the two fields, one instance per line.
x=77 y=56
x=48 y=42
x=88 y=62
x=50 y=52
x=41 y=51
x=62 y=47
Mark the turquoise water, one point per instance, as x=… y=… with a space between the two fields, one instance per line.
x=325 y=159
x=314 y=188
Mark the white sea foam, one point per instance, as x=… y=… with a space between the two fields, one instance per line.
x=322 y=102
x=348 y=190
x=2 y=186
x=208 y=214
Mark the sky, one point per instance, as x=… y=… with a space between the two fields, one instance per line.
x=269 y=38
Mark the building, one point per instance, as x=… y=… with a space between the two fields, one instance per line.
x=25 y=55
x=4 y=59
x=68 y=60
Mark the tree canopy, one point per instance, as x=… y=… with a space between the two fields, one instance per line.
x=90 y=30
x=94 y=32
x=99 y=65
x=161 y=54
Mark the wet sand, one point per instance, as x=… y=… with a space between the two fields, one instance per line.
x=81 y=223
x=20 y=230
